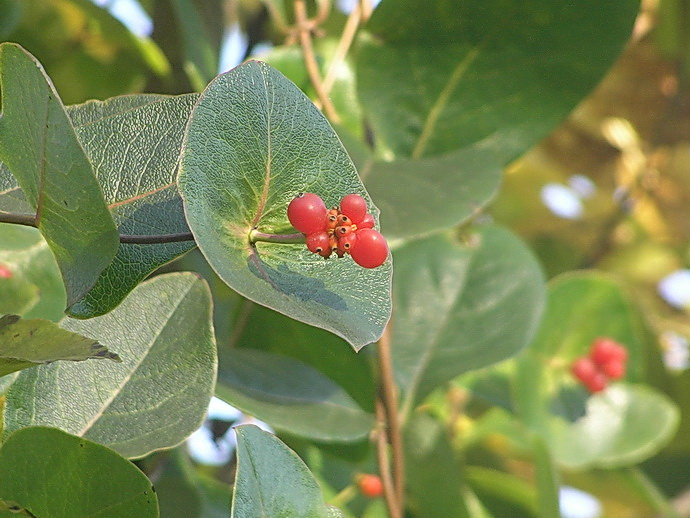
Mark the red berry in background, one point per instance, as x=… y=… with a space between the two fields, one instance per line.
x=614 y=369
x=605 y=350
x=366 y=222
x=307 y=213
x=583 y=369
x=317 y=242
x=354 y=206
x=371 y=249
x=370 y=485
x=5 y=272
x=597 y=382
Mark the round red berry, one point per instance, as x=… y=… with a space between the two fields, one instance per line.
x=354 y=206
x=605 y=350
x=370 y=486
x=347 y=242
x=596 y=383
x=317 y=242
x=614 y=369
x=307 y=213
x=583 y=369
x=5 y=272
x=366 y=222
x=371 y=249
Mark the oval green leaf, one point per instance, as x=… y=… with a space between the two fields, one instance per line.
x=290 y=395
x=272 y=480
x=436 y=77
x=254 y=142
x=134 y=142
x=155 y=398
x=48 y=472
x=41 y=149
x=622 y=426
x=461 y=307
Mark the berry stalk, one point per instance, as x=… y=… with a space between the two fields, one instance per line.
x=255 y=236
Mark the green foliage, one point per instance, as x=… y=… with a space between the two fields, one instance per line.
x=27 y=343
x=40 y=147
x=101 y=483
x=447 y=371
x=164 y=382
x=273 y=480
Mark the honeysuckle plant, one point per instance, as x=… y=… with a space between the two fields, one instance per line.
x=306 y=236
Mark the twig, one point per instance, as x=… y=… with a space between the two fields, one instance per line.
x=389 y=493
x=153 y=239
x=304 y=28
x=344 y=45
x=390 y=398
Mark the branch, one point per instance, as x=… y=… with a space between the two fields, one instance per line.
x=154 y=239
x=346 y=39
x=390 y=399
x=389 y=493
x=304 y=27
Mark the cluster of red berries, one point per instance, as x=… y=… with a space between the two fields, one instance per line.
x=606 y=361
x=348 y=229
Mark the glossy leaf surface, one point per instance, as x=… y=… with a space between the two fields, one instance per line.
x=272 y=480
x=77 y=477
x=253 y=143
x=158 y=394
x=40 y=147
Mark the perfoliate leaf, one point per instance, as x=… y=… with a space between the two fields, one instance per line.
x=254 y=142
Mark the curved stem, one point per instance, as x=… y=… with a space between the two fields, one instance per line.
x=256 y=236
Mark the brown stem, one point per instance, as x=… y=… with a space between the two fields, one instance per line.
x=344 y=44
x=390 y=397
x=154 y=239
x=304 y=27
x=389 y=493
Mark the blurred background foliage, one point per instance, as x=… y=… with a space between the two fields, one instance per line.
x=608 y=189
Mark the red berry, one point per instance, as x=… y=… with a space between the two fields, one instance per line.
x=346 y=243
x=583 y=369
x=614 y=369
x=5 y=272
x=605 y=350
x=354 y=206
x=343 y=220
x=366 y=222
x=307 y=213
x=370 y=485
x=343 y=231
x=317 y=242
x=596 y=383
x=371 y=250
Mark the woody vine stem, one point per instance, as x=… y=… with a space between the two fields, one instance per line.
x=387 y=436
